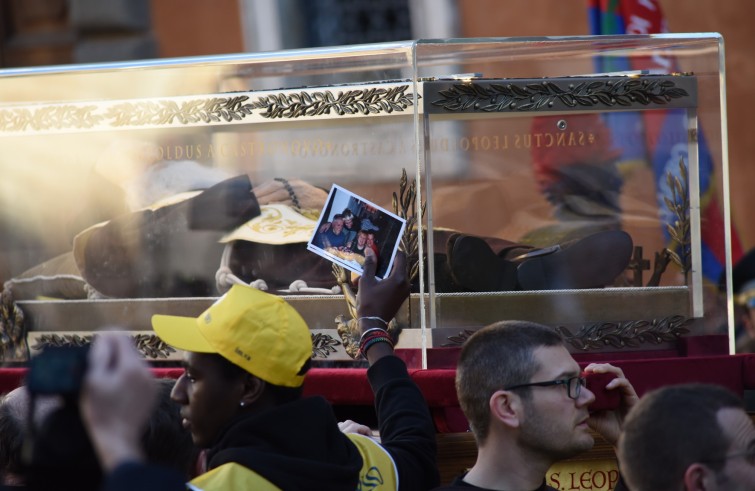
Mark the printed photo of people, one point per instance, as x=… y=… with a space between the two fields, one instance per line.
x=349 y=224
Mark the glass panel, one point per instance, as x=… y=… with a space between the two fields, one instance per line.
x=535 y=142
x=102 y=223
x=556 y=139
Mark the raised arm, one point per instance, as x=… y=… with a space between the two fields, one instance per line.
x=116 y=402
x=404 y=420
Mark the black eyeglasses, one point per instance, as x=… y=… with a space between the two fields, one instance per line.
x=748 y=455
x=573 y=385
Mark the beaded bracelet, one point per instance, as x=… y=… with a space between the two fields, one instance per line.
x=363 y=347
x=369 y=341
x=372 y=330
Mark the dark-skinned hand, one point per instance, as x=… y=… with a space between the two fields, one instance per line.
x=382 y=298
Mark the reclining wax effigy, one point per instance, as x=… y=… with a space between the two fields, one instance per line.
x=199 y=243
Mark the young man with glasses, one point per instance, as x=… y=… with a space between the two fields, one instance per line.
x=689 y=437
x=527 y=405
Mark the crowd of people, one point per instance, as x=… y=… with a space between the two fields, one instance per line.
x=236 y=417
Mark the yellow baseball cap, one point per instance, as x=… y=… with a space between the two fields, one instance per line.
x=257 y=331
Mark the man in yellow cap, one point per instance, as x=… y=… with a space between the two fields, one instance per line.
x=245 y=361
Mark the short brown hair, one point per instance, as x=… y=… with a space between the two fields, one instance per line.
x=497 y=356
x=670 y=429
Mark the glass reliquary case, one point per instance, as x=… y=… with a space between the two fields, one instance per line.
x=560 y=180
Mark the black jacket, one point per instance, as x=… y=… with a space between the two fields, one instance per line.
x=299 y=446
x=294 y=446
x=133 y=476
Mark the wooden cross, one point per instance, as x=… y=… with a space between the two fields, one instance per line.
x=637 y=265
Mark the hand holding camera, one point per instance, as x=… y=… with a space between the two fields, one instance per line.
x=107 y=395
x=614 y=396
x=117 y=398
x=605 y=400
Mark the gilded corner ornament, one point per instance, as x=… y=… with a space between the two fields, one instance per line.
x=557 y=94
x=323 y=345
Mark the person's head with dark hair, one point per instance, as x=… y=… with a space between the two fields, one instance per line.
x=165 y=440
x=246 y=353
x=527 y=405
x=688 y=437
x=14 y=413
x=350 y=221
x=371 y=241
x=500 y=355
x=62 y=455
x=11 y=442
